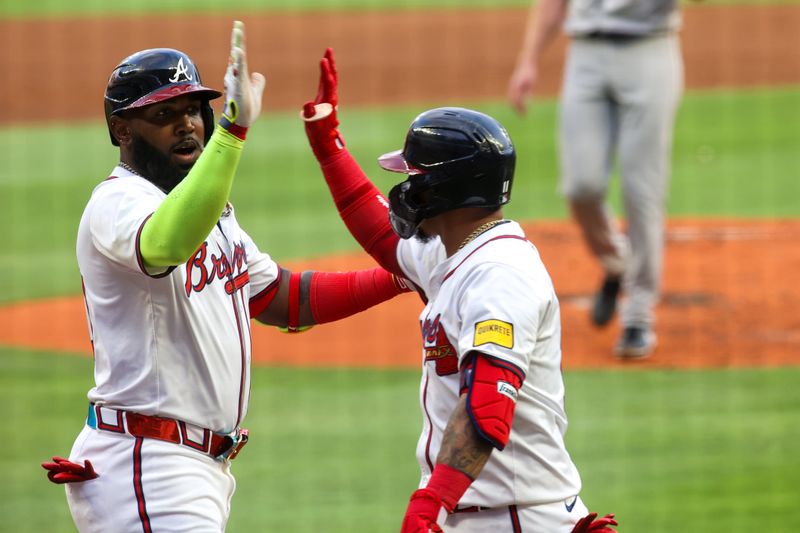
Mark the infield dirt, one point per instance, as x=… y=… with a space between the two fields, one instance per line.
x=721 y=306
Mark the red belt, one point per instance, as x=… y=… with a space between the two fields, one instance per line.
x=167 y=429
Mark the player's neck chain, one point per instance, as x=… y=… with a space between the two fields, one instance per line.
x=129 y=168
x=480 y=229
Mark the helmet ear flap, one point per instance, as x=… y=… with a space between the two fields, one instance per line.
x=404 y=216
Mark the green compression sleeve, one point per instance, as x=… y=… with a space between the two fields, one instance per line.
x=188 y=214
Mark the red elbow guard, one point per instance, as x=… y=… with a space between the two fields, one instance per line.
x=336 y=295
x=492 y=387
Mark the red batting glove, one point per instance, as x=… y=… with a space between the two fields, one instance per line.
x=65 y=471
x=423 y=511
x=328 y=80
x=588 y=524
x=429 y=506
x=319 y=115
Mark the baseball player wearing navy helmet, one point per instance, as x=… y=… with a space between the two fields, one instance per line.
x=171 y=282
x=491 y=451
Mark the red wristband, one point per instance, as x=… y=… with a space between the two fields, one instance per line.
x=233 y=129
x=336 y=295
x=450 y=484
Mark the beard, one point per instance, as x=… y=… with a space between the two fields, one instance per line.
x=156 y=167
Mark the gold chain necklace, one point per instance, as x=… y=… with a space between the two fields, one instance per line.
x=477 y=231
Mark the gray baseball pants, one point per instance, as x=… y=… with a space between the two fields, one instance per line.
x=618 y=105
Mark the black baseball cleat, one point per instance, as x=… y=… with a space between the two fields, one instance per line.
x=636 y=343
x=605 y=301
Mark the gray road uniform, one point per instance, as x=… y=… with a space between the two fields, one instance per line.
x=623 y=82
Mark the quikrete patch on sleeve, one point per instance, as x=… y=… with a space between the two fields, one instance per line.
x=494 y=331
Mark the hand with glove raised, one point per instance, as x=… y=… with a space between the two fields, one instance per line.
x=65 y=471
x=242 y=90
x=588 y=524
x=319 y=114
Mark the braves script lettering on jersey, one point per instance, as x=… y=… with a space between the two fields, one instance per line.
x=184 y=331
x=495 y=296
x=172 y=343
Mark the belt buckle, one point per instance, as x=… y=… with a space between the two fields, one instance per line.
x=237 y=441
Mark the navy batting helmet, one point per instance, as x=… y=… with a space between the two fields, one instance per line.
x=152 y=76
x=455 y=158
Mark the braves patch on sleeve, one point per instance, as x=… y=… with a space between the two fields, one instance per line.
x=494 y=332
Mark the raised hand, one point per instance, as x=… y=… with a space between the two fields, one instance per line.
x=242 y=90
x=327 y=97
x=65 y=471
x=320 y=114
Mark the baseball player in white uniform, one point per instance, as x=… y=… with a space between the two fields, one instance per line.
x=623 y=81
x=171 y=282
x=491 y=451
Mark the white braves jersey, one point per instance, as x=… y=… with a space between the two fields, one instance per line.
x=496 y=297
x=173 y=343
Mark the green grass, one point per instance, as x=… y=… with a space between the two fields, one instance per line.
x=333 y=450
x=735 y=155
x=69 y=8
x=705 y=451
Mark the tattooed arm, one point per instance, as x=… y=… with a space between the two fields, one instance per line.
x=462 y=457
x=462 y=447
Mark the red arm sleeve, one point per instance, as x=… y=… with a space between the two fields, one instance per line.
x=336 y=295
x=364 y=210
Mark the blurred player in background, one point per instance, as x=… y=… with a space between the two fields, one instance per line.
x=622 y=84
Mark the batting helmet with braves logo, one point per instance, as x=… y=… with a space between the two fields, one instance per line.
x=152 y=76
x=455 y=158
